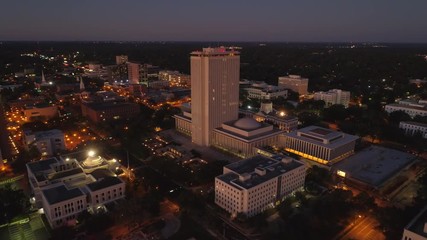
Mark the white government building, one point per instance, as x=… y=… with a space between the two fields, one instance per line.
x=320 y=144
x=333 y=96
x=240 y=137
x=65 y=187
x=264 y=91
x=412 y=128
x=409 y=106
x=253 y=185
x=417 y=228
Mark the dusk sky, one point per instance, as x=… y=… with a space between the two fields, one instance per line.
x=219 y=20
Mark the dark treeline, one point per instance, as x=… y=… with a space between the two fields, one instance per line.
x=362 y=69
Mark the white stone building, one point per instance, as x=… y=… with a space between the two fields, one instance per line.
x=411 y=109
x=320 y=144
x=65 y=187
x=264 y=91
x=240 y=137
x=256 y=184
x=412 y=128
x=417 y=228
x=333 y=96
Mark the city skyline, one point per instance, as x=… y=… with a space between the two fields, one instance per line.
x=291 y=21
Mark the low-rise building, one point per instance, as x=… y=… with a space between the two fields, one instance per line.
x=40 y=111
x=48 y=143
x=108 y=111
x=333 y=96
x=279 y=119
x=253 y=185
x=64 y=187
x=242 y=136
x=412 y=128
x=417 y=228
x=320 y=144
x=410 y=109
x=295 y=83
x=175 y=78
x=264 y=91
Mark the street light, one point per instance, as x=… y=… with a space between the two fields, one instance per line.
x=91 y=153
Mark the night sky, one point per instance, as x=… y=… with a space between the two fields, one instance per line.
x=219 y=20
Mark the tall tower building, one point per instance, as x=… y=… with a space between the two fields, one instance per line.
x=121 y=59
x=134 y=72
x=214 y=91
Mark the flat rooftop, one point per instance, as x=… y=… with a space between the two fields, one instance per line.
x=67 y=173
x=417 y=224
x=45 y=134
x=61 y=193
x=274 y=168
x=42 y=165
x=104 y=183
x=317 y=135
x=273 y=132
x=375 y=165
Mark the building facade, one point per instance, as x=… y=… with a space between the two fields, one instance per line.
x=294 y=82
x=417 y=228
x=175 y=79
x=109 y=111
x=266 y=92
x=253 y=185
x=411 y=110
x=214 y=91
x=65 y=187
x=41 y=111
x=412 y=128
x=48 y=143
x=134 y=73
x=320 y=144
x=121 y=59
x=333 y=96
x=241 y=137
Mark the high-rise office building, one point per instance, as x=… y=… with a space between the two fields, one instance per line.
x=134 y=72
x=214 y=91
x=295 y=83
x=121 y=59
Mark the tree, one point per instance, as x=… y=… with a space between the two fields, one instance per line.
x=364 y=202
x=335 y=113
x=13 y=203
x=398 y=116
x=308 y=118
x=292 y=95
x=63 y=233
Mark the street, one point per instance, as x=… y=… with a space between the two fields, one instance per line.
x=364 y=228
